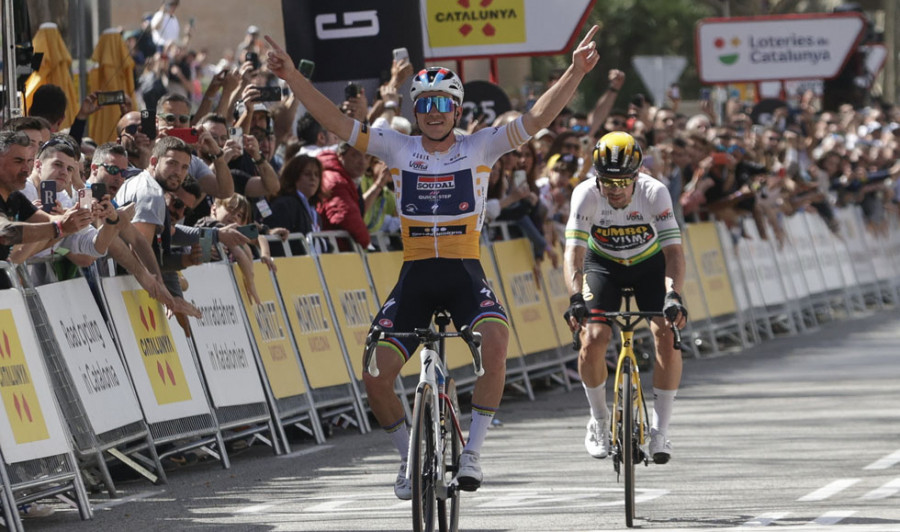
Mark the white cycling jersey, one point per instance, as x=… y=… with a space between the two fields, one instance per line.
x=629 y=235
x=440 y=196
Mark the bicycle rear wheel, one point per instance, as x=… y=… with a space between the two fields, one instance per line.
x=628 y=441
x=452 y=447
x=422 y=462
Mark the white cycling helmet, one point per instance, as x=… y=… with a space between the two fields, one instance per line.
x=437 y=79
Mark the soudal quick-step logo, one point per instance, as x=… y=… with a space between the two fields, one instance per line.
x=727 y=54
x=444 y=182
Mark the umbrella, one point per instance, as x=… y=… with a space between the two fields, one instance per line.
x=114 y=72
x=56 y=69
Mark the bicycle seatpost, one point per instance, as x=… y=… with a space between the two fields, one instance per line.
x=370 y=362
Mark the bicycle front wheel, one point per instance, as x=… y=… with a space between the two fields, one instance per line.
x=452 y=447
x=423 y=460
x=628 y=440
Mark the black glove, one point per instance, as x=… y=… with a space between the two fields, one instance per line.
x=673 y=305
x=577 y=308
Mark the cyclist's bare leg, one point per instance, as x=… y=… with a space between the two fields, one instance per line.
x=595 y=339
x=667 y=372
x=382 y=398
x=666 y=375
x=489 y=387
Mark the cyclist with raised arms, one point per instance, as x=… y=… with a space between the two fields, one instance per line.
x=622 y=233
x=441 y=180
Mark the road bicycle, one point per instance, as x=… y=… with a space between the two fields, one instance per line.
x=436 y=439
x=629 y=424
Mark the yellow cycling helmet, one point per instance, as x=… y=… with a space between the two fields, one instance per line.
x=618 y=156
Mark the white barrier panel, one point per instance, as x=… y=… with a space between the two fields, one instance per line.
x=162 y=368
x=223 y=346
x=732 y=263
x=803 y=244
x=828 y=261
x=791 y=266
x=97 y=371
x=844 y=258
x=30 y=426
x=854 y=236
x=762 y=258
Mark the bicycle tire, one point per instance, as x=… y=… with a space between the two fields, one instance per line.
x=628 y=441
x=422 y=462
x=452 y=449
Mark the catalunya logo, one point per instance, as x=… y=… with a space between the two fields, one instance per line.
x=725 y=48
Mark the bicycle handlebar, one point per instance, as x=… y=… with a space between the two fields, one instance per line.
x=676 y=332
x=424 y=335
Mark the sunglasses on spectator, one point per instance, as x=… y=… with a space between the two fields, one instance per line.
x=58 y=141
x=617 y=123
x=580 y=129
x=170 y=118
x=443 y=104
x=112 y=169
x=617 y=182
x=572 y=146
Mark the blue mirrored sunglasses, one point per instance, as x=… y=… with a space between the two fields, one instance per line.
x=443 y=104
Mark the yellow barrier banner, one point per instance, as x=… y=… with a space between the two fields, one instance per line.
x=158 y=352
x=558 y=293
x=270 y=332
x=20 y=399
x=352 y=300
x=712 y=270
x=693 y=296
x=307 y=309
x=385 y=269
x=528 y=307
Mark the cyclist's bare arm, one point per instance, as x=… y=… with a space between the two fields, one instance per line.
x=321 y=108
x=675 y=267
x=573 y=269
x=674 y=254
x=548 y=106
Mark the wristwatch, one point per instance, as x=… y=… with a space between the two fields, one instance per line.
x=259 y=161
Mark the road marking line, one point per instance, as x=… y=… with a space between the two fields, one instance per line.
x=831 y=518
x=884 y=491
x=311 y=450
x=885 y=462
x=766 y=519
x=123 y=500
x=829 y=490
x=254 y=509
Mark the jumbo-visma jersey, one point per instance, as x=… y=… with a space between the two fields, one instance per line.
x=627 y=236
x=440 y=196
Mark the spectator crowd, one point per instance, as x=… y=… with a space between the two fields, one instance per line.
x=221 y=152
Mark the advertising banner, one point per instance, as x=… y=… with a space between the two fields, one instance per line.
x=157 y=353
x=30 y=426
x=271 y=334
x=90 y=355
x=776 y=47
x=223 y=346
x=310 y=319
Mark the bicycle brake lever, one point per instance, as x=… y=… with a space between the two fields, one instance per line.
x=676 y=344
x=473 y=340
x=576 y=339
x=370 y=362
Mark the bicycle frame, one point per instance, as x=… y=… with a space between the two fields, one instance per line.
x=626 y=331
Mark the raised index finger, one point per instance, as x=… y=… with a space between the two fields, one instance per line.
x=590 y=35
x=273 y=44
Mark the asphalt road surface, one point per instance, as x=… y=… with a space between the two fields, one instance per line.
x=797 y=433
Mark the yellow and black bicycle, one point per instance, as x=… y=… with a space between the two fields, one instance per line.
x=629 y=423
